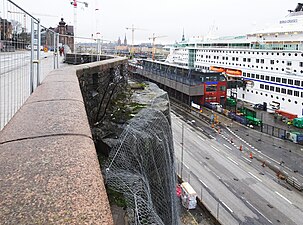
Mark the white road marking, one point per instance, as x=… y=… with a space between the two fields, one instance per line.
x=190 y=153
x=201 y=138
x=215 y=148
x=255 y=177
x=227 y=207
x=232 y=160
x=269 y=158
x=227 y=146
x=186 y=166
x=258 y=211
x=203 y=183
x=246 y=159
x=283 y=197
x=207 y=168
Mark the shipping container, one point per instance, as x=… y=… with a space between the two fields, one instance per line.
x=298 y=122
x=287 y=115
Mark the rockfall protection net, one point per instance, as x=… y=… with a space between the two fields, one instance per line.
x=141 y=167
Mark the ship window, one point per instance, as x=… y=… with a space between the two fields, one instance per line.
x=257 y=60
x=301 y=64
x=272 y=78
x=277 y=97
x=257 y=76
x=283 y=99
x=266 y=87
x=244 y=74
x=302 y=83
x=288 y=63
x=265 y=94
x=277 y=89
x=290 y=81
x=272 y=61
x=252 y=75
x=248 y=59
x=284 y=80
x=222 y=88
x=266 y=77
x=261 y=93
x=271 y=96
x=262 y=60
x=289 y=92
x=248 y=74
x=283 y=90
x=272 y=88
x=262 y=77
x=296 y=93
x=261 y=86
x=257 y=92
x=297 y=82
x=301 y=94
x=289 y=100
x=296 y=102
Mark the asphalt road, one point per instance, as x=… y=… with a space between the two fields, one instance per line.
x=235 y=188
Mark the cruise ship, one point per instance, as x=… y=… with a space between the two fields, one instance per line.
x=265 y=66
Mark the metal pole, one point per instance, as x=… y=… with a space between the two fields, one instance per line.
x=218 y=206
x=31 y=83
x=54 y=46
x=182 y=148
x=57 y=49
x=38 y=53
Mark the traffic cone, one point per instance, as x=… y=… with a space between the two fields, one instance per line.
x=250 y=155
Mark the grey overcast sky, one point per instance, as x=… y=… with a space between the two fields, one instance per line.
x=162 y=17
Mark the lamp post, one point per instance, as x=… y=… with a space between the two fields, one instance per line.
x=182 y=148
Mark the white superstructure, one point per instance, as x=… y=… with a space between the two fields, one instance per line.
x=269 y=61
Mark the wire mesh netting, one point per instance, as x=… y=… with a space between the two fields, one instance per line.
x=141 y=167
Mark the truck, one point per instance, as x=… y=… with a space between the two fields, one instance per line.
x=188 y=196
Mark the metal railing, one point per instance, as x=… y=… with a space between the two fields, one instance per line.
x=23 y=61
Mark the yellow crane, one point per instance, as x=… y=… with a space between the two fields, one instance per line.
x=133 y=36
x=154 y=49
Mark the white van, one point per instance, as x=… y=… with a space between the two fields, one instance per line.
x=188 y=196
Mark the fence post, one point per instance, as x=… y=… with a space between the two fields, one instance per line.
x=54 y=46
x=57 y=49
x=38 y=53
x=31 y=79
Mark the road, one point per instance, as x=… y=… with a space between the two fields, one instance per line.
x=235 y=188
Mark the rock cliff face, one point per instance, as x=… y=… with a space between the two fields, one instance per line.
x=131 y=125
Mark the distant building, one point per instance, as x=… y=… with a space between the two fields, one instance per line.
x=6 y=29
x=119 y=42
x=66 y=35
x=125 y=41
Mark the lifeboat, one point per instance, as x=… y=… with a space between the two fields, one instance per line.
x=233 y=72
x=217 y=69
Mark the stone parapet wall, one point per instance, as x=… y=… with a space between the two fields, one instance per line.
x=50 y=173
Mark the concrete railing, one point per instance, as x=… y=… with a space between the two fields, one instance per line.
x=50 y=173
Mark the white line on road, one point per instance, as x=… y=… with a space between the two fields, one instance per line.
x=246 y=159
x=269 y=157
x=215 y=148
x=190 y=153
x=232 y=160
x=203 y=139
x=283 y=197
x=227 y=207
x=186 y=166
x=203 y=183
x=207 y=168
x=258 y=211
x=255 y=177
x=227 y=146
x=216 y=175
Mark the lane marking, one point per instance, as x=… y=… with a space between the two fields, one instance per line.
x=203 y=139
x=227 y=206
x=215 y=148
x=227 y=146
x=203 y=184
x=258 y=211
x=232 y=160
x=246 y=159
x=255 y=177
x=216 y=175
x=207 y=168
x=190 y=153
x=186 y=166
x=283 y=197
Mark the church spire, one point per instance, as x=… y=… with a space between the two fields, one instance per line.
x=125 y=40
x=183 y=36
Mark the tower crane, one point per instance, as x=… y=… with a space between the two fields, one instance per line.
x=154 y=39
x=133 y=36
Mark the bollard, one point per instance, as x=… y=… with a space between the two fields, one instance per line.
x=240 y=148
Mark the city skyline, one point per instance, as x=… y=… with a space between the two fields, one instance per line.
x=164 y=18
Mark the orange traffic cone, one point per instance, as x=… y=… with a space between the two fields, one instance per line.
x=250 y=155
x=240 y=148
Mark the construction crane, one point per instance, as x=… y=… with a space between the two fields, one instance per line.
x=133 y=36
x=75 y=4
x=154 y=49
